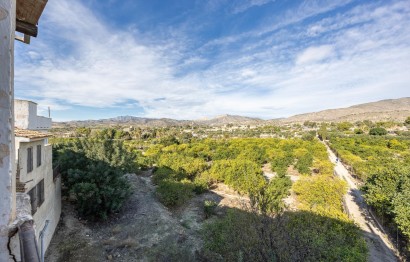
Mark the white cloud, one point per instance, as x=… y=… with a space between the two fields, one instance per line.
x=245 y=5
x=362 y=55
x=306 y=9
x=105 y=67
x=315 y=54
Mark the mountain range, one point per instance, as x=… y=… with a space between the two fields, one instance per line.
x=384 y=110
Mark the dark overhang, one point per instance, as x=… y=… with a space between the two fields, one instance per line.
x=28 y=13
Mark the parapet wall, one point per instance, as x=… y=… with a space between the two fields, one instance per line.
x=25 y=116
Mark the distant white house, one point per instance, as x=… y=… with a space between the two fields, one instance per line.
x=34 y=172
x=25 y=116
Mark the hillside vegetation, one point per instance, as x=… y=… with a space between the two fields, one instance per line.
x=186 y=168
x=383 y=164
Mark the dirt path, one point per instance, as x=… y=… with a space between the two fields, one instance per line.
x=144 y=230
x=380 y=248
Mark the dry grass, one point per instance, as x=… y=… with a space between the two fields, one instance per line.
x=128 y=242
x=117 y=229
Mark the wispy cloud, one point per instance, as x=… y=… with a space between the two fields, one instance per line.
x=245 y=5
x=291 y=65
x=315 y=54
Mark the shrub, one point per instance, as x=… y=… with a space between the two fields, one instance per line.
x=322 y=195
x=102 y=191
x=93 y=172
x=378 y=131
x=293 y=236
x=281 y=161
x=401 y=208
x=242 y=175
x=209 y=208
x=201 y=185
x=189 y=166
x=174 y=193
x=407 y=121
x=269 y=199
x=304 y=163
x=358 y=131
x=163 y=173
x=344 y=126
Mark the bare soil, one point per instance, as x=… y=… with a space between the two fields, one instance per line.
x=144 y=230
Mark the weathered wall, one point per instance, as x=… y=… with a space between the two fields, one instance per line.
x=26 y=116
x=42 y=123
x=7 y=183
x=51 y=208
x=21 y=112
x=23 y=213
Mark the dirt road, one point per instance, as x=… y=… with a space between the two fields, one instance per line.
x=380 y=248
x=144 y=230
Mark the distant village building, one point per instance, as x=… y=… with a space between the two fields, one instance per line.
x=25 y=116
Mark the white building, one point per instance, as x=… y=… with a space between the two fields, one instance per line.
x=25 y=116
x=34 y=172
x=21 y=16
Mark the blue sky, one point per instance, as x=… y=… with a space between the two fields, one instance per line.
x=190 y=59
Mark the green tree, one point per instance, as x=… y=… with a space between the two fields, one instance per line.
x=344 y=126
x=407 y=121
x=269 y=199
x=83 y=131
x=98 y=190
x=93 y=170
x=377 y=131
x=401 y=207
x=321 y=195
x=323 y=133
x=358 y=131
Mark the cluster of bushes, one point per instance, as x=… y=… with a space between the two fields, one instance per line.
x=102 y=134
x=383 y=163
x=281 y=161
x=365 y=154
x=246 y=177
x=175 y=188
x=291 y=236
x=235 y=162
x=388 y=191
x=93 y=172
x=378 y=131
x=268 y=200
x=304 y=155
x=242 y=175
x=321 y=195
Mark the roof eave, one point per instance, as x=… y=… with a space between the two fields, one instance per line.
x=28 y=13
x=28 y=140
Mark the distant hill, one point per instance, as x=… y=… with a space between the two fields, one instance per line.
x=124 y=121
x=384 y=110
x=160 y=122
x=230 y=119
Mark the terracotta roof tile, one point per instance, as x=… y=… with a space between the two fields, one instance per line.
x=30 y=133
